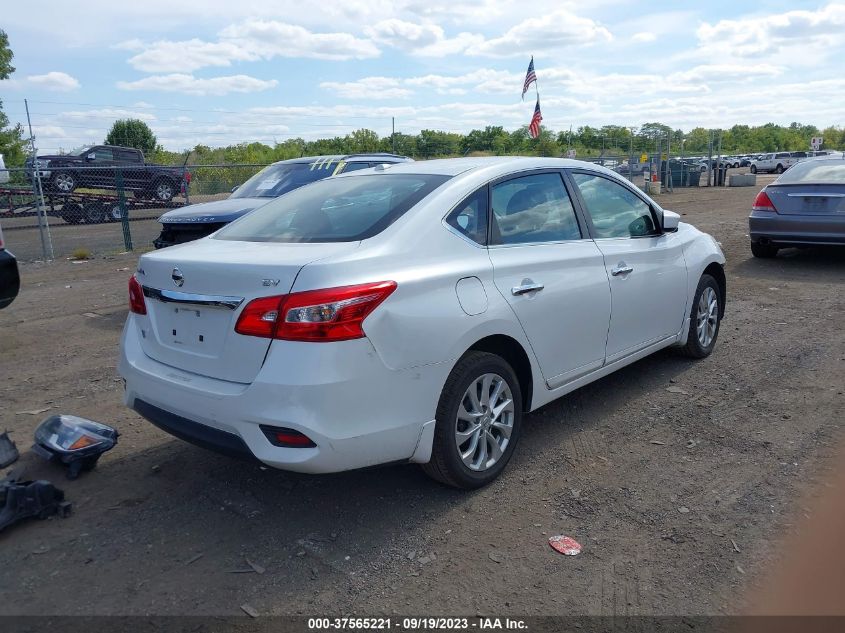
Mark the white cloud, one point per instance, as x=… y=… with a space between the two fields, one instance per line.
x=188 y=84
x=644 y=36
x=770 y=34
x=426 y=39
x=552 y=31
x=368 y=88
x=55 y=81
x=247 y=41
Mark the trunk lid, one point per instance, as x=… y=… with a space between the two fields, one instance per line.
x=808 y=199
x=192 y=326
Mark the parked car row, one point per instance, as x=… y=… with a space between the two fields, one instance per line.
x=412 y=312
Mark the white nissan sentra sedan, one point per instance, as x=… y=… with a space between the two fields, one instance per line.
x=413 y=313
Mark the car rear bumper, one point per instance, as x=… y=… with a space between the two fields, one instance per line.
x=774 y=228
x=358 y=412
x=10 y=280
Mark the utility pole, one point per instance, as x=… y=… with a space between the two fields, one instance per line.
x=393 y=133
x=43 y=227
x=631 y=155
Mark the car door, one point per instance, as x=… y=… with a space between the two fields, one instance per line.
x=100 y=172
x=645 y=266
x=551 y=273
x=131 y=168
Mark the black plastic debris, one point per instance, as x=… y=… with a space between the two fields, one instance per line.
x=8 y=450
x=74 y=441
x=21 y=500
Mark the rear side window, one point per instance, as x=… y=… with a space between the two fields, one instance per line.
x=470 y=217
x=533 y=209
x=345 y=209
x=355 y=166
x=616 y=211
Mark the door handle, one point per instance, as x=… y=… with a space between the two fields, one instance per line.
x=525 y=288
x=621 y=269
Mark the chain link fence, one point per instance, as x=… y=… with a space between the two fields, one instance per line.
x=50 y=211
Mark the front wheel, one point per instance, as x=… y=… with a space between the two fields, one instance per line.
x=63 y=182
x=753 y=169
x=163 y=190
x=779 y=169
x=478 y=422
x=705 y=318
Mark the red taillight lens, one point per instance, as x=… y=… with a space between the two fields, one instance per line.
x=259 y=317
x=334 y=314
x=136 y=297
x=763 y=203
x=287 y=438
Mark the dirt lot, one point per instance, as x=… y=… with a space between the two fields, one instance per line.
x=655 y=470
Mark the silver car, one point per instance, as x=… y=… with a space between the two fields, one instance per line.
x=805 y=206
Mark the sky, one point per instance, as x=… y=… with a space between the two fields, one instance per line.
x=216 y=73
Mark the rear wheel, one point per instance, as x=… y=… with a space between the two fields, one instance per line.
x=96 y=213
x=115 y=213
x=478 y=422
x=705 y=318
x=764 y=251
x=72 y=213
x=753 y=169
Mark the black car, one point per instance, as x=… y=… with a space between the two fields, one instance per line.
x=198 y=220
x=10 y=280
x=100 y=167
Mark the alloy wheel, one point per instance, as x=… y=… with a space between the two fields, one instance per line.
x=64 y=183
x=484 y=422
x=707 y=316
x=164 y=191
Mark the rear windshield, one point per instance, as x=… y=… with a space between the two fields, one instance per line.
x=273 y=181
x=818 y=171
x=344 y=209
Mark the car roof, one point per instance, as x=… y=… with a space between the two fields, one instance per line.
x=497 y=165
x=367 y=157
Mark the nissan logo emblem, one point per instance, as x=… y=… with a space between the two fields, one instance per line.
x=177 y=277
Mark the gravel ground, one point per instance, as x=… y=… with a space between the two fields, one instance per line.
x=677 y=477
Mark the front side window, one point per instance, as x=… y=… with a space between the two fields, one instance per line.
x=345 y=209
x=616 y=211
x=533 y=209
x=470 y=217
x=103 y=155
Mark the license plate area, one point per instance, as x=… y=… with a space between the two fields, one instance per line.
x=196 y=329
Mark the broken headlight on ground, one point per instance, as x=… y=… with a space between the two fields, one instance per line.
x=74 y=441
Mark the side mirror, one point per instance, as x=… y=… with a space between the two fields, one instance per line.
x=90 y=156
x=670 y=221
x=234 y=189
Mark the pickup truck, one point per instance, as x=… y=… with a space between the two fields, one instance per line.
x=97 y=167
x=777 y=162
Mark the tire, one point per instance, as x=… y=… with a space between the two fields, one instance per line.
x=753 y=169
x=473 y=371
x=63 y=182
x=707 y=301
x=779 y=169
x=95 y=213
x=114 y=213
x=72 y=213
x=163 y=190
x=763 y=251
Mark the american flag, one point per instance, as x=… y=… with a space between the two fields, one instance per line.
x=530 y=78
x=534 y=126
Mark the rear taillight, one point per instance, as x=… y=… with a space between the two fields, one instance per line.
x=136 y=297
x=333 y=314
x=763 y=203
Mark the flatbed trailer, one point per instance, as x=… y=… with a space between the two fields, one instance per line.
x=73 y=208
